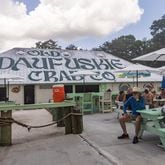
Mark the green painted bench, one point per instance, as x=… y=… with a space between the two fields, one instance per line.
x=152 y=123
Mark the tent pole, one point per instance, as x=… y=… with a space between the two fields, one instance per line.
x=84 y=84
x=8 y=90
x=137 y=75
x=5 y=86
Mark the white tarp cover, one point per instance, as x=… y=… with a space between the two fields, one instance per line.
x=57 y=66
x=158 y=55
x=162 y=70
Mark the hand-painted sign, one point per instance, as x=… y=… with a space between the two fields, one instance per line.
x=58 y=66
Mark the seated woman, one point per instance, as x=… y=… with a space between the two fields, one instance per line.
x=162 y=93
x=155 y=96
x=148 y=98
x=120 y=98
x=161 y=96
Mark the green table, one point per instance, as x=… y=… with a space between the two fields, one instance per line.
x=151 y=114
x=151 y=123
x=73 y=123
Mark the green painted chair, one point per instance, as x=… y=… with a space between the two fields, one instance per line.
x=96 y=96
x=87 y=103
x=106 y=102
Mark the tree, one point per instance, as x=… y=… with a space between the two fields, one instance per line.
x=97 y=49
x=158 y=26
x=49 y=44
x=126 y=47
x=71 y=47
x=158 y=32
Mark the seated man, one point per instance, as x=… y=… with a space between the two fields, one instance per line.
x=136 y=102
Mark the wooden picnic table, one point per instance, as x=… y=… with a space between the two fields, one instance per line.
x=73 y=124
x=152 y=123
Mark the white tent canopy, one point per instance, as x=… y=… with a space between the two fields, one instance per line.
x=162 y=69
x=137 y=67
x=137 y=70
x=158 y=55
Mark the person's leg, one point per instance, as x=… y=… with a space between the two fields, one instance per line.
x=123 y=125
x=122 y=121
x=138 y=125
x=137 y=129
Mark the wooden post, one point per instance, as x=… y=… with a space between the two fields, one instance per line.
x=68 y=120
x=53 y=112
x=60 y=115
x=6 y=130
x=77 y=122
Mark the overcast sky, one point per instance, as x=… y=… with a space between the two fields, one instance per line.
x=86 y=23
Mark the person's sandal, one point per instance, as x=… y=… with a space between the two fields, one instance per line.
x=123 y=136
x=135 y=140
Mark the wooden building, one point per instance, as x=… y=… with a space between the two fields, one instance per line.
x=42 y=68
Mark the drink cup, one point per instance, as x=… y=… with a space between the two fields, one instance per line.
x=147 y=107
